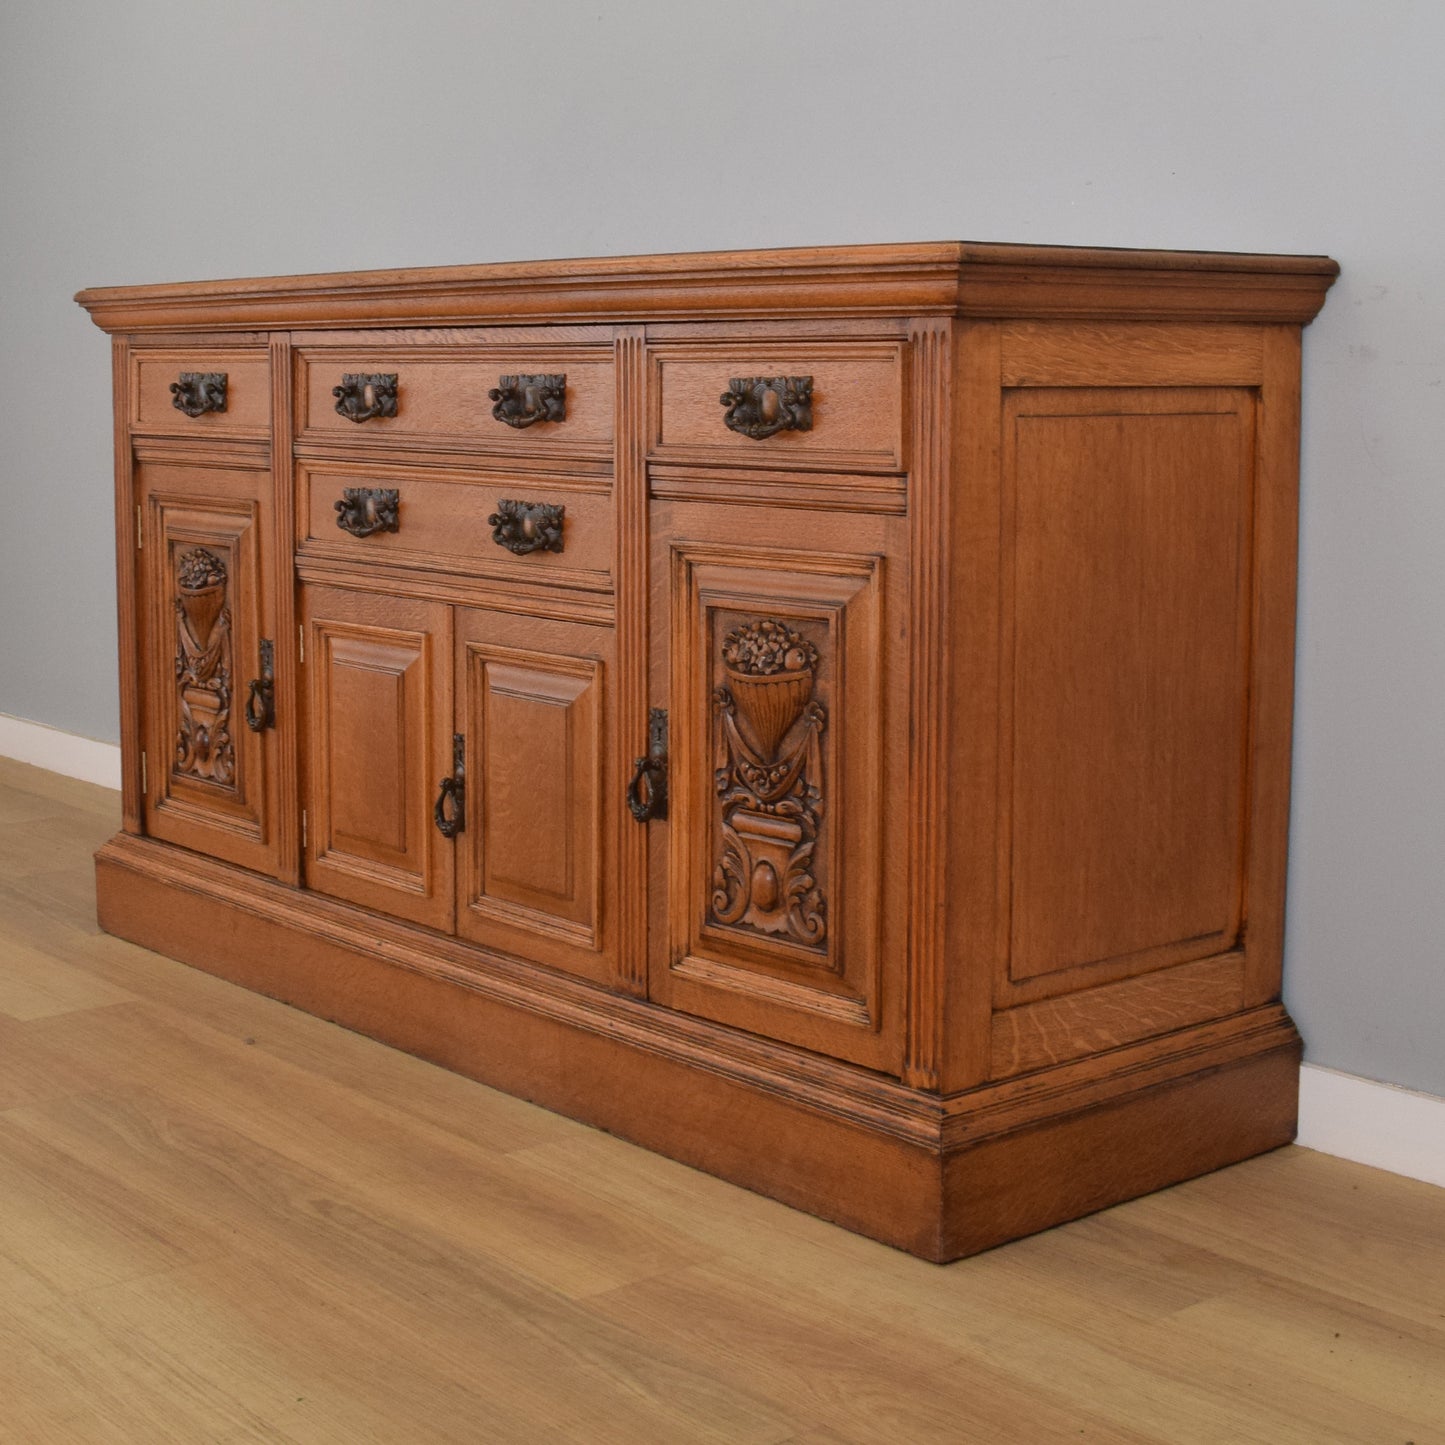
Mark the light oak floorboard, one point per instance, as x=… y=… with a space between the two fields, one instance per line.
x=224 y=1221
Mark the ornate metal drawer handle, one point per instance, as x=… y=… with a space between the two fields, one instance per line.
x=261 y=697
x=647 y=792
x=759 y=406
x=523 y=527
x=363 y=395
x=450 y=813
x=197 y=392
x=364 y=510
x=522 y=400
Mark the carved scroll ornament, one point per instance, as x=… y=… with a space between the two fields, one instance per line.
x=761 y=406
x=204 y=748
x=197 y=392
x=769 y=782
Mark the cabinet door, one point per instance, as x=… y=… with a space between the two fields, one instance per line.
x=205 y=608
x=778 y=872
x=378 y=741
x=542 y=790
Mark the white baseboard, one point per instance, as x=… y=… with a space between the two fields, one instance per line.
x=1377 y=1124
x=60 y=752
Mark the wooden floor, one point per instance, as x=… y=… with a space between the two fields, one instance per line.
x=224 y=1221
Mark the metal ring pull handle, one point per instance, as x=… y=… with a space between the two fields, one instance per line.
x=261 y=695
x=450 y=813
x=647 y=792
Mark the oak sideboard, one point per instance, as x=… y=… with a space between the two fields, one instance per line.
x=823 y=715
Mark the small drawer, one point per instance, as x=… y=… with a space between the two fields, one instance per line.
x=550 y=401
x=203 y=392
x=824 y=406
x=433 y=518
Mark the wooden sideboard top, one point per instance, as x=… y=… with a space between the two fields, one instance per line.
x=959 y=278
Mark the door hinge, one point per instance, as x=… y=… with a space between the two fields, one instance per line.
x=143 y=789
x=303 y=830
x=300 y=642
x=140 y=536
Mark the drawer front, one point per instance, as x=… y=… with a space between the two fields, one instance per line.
x=177 y=392
x=814 y=405
x=443 y=398
x=433 y=518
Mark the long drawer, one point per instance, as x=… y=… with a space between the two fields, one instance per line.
x=484 y=523
x=519 y=401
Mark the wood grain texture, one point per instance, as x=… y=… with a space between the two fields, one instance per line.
x=129 y=539
x=844 y=1144
x=443 y=403
x=630 y=575
x=930 y=675
x=857 y=405
x=943 y=278
x=978 y=689
x=248 y=391
x=444 y=522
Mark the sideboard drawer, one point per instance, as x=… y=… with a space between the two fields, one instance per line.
x=816 y=405
x=201 y=391
x=547 y=401
x=432 y=517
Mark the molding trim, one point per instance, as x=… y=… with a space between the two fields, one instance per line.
x=60 y=752
x=1381 y=1125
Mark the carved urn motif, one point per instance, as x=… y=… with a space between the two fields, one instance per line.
x=203 y=669
x=769 y=780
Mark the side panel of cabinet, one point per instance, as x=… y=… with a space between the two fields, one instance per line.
x=779 y=905
x=378 y=740
x=534 y=705
x=204 y=610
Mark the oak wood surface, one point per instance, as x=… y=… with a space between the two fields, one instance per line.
x=941 y=278
x=225 y=1220
x=444 y=521
x=442 y=397
x=248 y=391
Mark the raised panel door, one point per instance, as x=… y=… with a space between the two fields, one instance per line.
x=379 y=740
x=777 y=871
x=205 y=610
x=542 y=791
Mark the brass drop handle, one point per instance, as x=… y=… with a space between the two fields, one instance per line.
x=261 y=695
x=522 y=400
x=523 y=527
x=197 y=392
x=450 y=813
x=647 y=792
x=760 y=406
x=363 y=395
x=364 y=511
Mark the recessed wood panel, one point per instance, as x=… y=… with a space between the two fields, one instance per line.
x=782 y=830
x=1127 y=627
x=209 y=782
x=442 y=398
x=857 y=405
x=248 y=392
x=378 y=742
x=542 y=791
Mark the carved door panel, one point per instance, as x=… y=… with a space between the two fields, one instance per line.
x=777 y=873
x=210 y=780
x=542 y=795
x=378 y=743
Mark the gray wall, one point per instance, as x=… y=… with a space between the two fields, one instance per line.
x=150 y=142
